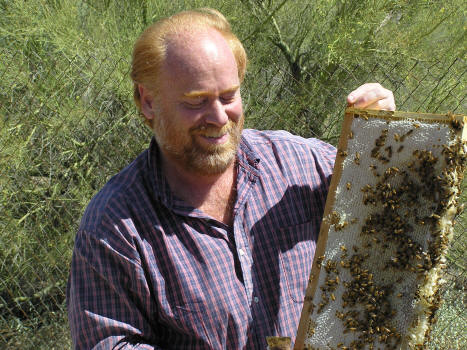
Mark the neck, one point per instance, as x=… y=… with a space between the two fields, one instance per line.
x=214 y=195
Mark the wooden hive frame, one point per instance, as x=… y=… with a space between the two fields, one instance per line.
x=386 y=227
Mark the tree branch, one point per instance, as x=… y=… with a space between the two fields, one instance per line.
x=267 y=19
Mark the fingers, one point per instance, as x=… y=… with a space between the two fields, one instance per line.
x=372 y=96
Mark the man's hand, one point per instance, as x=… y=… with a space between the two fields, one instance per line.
x=278 y=343
x=372 y=96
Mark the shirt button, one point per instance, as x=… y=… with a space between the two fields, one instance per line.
x=241 y=252
x=256 y=299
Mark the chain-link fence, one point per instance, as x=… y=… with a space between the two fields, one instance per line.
x=68 y=124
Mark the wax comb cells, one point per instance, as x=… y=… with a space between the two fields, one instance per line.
x=385 y=233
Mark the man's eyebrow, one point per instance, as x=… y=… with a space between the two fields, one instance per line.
x=198 y=93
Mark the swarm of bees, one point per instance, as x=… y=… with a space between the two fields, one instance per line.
x=393 y=204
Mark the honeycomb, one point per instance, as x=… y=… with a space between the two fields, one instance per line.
x=386 y=229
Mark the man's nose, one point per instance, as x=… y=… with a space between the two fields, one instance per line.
x=217 y=115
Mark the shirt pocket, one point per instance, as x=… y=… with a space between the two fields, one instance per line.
x=190 y=319
x=297 y=247
x=201 y=322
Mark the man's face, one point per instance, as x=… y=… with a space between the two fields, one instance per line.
x=198 y=120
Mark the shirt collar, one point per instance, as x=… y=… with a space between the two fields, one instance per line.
x=156 y=178
x=246 y=158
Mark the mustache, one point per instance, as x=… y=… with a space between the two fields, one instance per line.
x=213 y=131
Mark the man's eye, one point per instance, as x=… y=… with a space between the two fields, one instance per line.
x=228 y=98
x=196 y=103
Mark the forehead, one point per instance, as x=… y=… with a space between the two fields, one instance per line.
x=199 y=56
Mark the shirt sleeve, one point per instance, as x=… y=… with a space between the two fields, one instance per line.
x=108 y=296
x=324 y=156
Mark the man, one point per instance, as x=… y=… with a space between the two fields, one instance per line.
x=205 y=240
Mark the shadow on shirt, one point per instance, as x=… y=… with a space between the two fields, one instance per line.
x=132 y=339
x=284 y=242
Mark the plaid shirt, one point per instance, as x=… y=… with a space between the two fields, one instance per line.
x=148 y=266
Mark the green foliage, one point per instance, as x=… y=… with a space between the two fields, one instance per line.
x=337 y=45
x=67 y=120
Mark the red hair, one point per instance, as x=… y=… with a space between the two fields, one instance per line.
x=149 y=50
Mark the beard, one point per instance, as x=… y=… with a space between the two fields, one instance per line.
x=200 y=158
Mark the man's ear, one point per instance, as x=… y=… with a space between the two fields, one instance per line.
x=146 y=100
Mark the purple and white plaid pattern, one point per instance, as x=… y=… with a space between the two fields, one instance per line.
x=147 y=265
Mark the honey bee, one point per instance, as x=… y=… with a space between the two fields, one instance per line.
x=357 y=158
x=455 y=123
x=389 y=151
x=341 y=226
x=319 y=260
